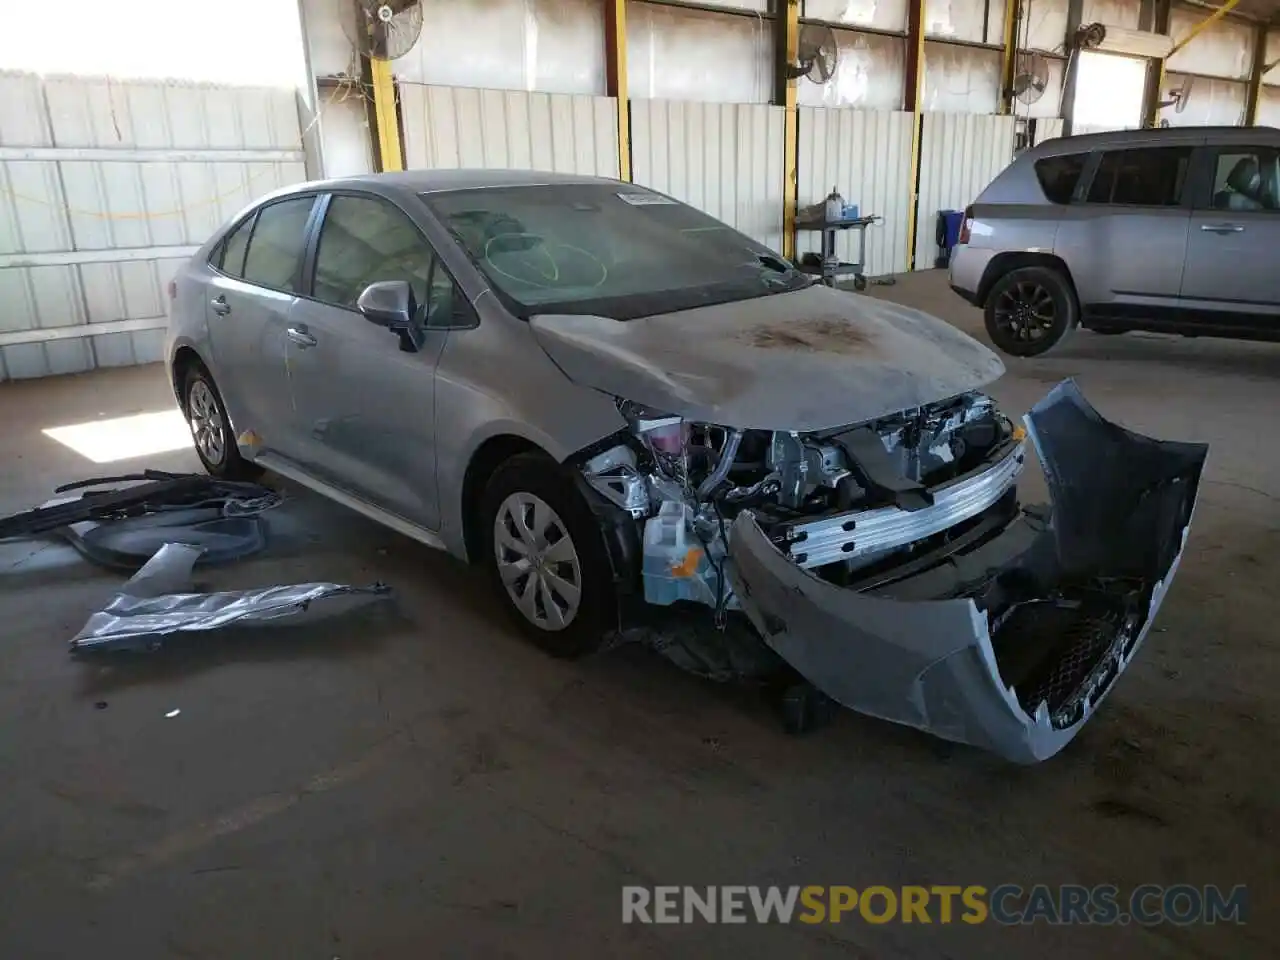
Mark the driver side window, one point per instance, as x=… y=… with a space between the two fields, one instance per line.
x=364 y=240
x=1246 y=178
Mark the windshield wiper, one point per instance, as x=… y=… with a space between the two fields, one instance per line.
x=783 y=276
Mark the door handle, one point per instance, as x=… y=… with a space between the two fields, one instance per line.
x=301 y=337
x=1222 y=228
x=220 y=305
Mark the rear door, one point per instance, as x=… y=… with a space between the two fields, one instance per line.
x=1126 y=239
x=258 y=272
x=1235 y=234
x=364 y=410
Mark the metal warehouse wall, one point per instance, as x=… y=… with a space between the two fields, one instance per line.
x=723 y=158
x=105 y=187
x=462 y=127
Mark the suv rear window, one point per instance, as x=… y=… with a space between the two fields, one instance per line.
x=1145 y=177
x=1058 y=176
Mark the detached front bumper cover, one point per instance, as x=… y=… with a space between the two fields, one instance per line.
x=1073 y=597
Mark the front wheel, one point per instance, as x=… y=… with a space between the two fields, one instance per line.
x=211 y=429
x=546 y=556
x=1031 y=310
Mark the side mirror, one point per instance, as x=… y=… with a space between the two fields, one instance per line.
x=391 y=304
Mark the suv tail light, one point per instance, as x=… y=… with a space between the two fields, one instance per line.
x=965 y=225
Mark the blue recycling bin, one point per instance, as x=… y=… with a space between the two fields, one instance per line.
x=948 y=234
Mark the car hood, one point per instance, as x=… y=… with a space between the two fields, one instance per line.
x=804 y=361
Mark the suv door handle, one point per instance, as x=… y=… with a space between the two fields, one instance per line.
x=220 y=305
x=1222 y=228
x=300 y=336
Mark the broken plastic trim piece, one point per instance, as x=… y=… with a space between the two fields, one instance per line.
x=157 y=604
x=1122 y=508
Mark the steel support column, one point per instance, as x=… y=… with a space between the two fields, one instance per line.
x=1255 y=74
x=913 y=101
x=786 y=47
x=1009 y=65
x=615 y=77
x=387 y=120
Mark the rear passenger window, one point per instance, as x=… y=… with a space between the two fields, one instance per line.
x=231 y=255
x=275 y=249
x=1147 y=177
x=1058 y=176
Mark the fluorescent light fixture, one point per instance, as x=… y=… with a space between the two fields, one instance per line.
x=1135 y=43
x=123 y=438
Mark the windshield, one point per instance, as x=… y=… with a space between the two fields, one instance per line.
x=614 y=250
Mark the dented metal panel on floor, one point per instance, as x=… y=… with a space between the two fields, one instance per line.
x=960 y=153
x=866 y=155
x=459 y=127
x=723 y=158
x=105 y=187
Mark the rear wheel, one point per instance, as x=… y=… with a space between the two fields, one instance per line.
x=211 y=430
x=1031 y=310
x=546 y=557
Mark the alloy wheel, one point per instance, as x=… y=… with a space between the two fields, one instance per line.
x=1026 y=311
x=537 y=561
x=207 y=428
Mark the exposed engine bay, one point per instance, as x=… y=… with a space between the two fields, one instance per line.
x=876 y=556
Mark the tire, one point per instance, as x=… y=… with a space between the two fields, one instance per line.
x=535 y=490
x=1031 y=310
x=211 y=430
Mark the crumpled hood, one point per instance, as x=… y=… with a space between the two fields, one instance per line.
x=804 y=361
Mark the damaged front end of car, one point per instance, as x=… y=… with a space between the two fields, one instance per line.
x=891 y=564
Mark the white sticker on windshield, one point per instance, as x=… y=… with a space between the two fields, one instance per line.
x=644 y=199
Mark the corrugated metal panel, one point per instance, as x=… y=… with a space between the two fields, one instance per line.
x=683 y=54
x=465 y=127
x=1211 y=102
x=1045 y=26
x=1269 y=107
x=1048 y=128
x=1224 y=49
x=959 y=155
x=866 y=155
x=962 y=79
x=1273 y=56
x=869 y=74
x=553 y=46
x=723 y=158
x=873 y=14
x=117 y=226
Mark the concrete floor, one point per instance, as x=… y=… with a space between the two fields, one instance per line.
x=419 y=782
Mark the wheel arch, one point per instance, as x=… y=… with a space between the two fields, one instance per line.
x=1004 y=263
x=185 y=358
x=484 y=461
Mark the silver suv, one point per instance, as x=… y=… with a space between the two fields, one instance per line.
x=1173 y=230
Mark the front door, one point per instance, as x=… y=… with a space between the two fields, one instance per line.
x=248 y=304
x=364 y=409
x=1235 y=233
x=1127 y=239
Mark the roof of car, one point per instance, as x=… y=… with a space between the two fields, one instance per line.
x=437 y=180
x=1171 y=136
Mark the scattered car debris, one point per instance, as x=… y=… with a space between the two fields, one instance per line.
x=120 y=522
x=157 y=603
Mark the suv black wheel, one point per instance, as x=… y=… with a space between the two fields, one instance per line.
x=1031 y=310
x=546 y=557
x=211 y=429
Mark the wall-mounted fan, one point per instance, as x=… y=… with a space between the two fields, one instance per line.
x=817 y=54
x=1030 y=77
x=382 y=29
x=1179 y=96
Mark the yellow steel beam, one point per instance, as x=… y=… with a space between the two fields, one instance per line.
x=1010 y=55
x=915 y=80
x=615 y=62
x=788 y=51
x=1199 y=28
x=390 y=152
